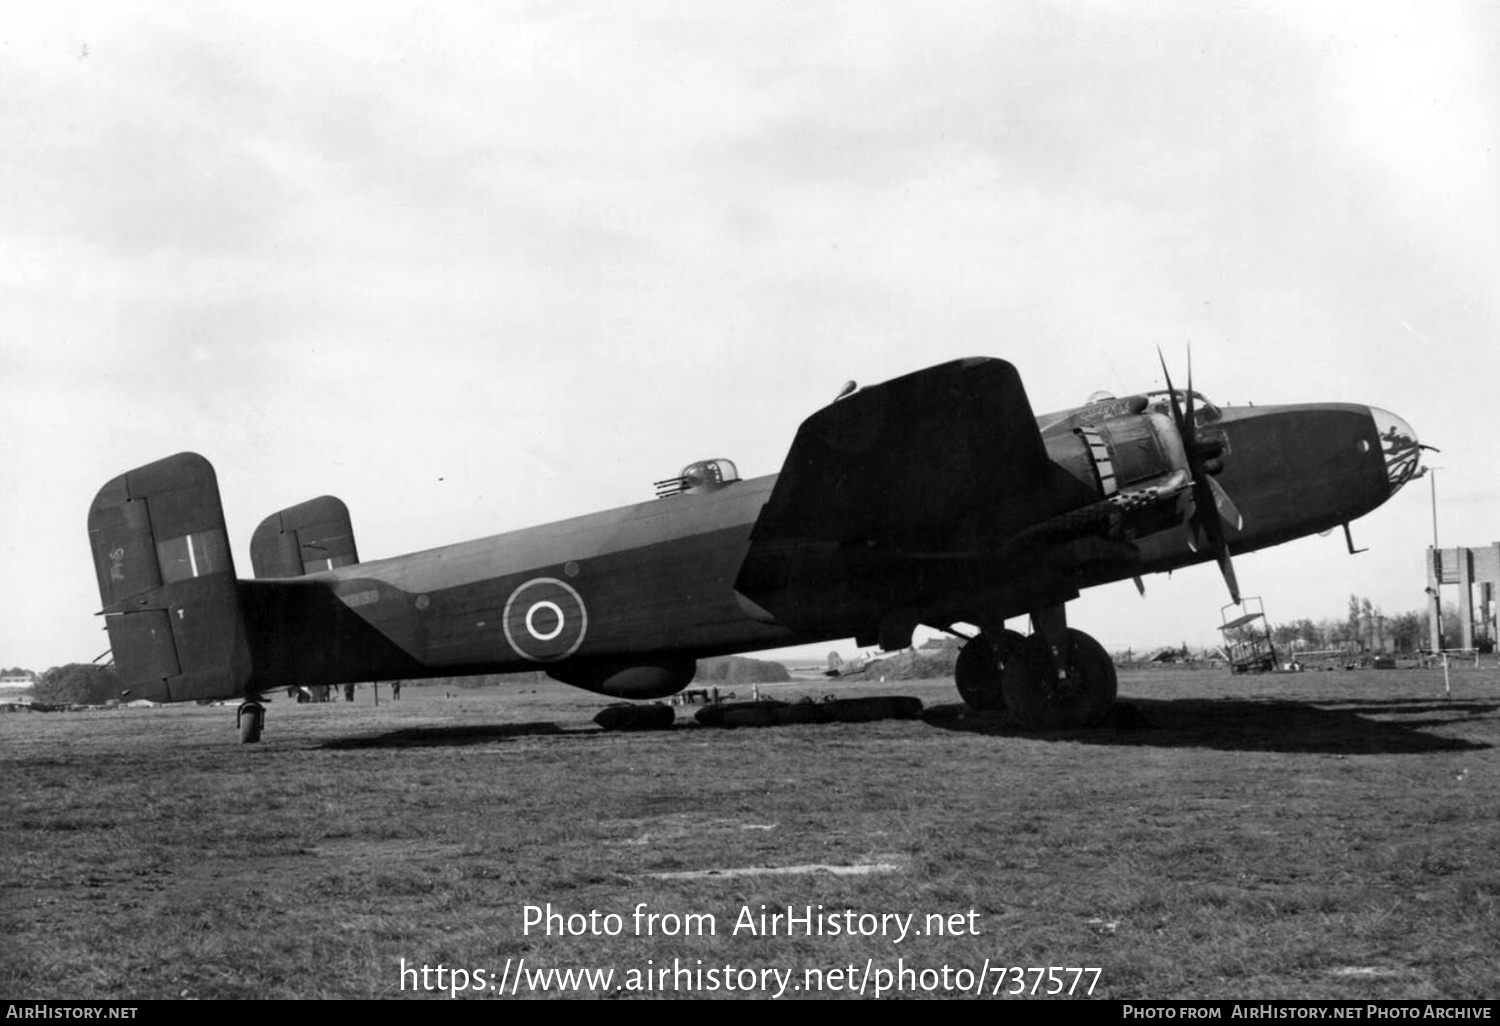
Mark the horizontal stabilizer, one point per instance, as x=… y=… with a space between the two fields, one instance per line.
x=167 y=581
x=307 y=538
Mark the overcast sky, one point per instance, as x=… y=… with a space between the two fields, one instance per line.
x=477 y=267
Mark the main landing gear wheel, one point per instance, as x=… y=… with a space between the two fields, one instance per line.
x=1083 y=698
x=980 y=668
x=251 y=718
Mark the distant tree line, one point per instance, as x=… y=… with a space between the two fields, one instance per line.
x=76 y=684
x=1365 y=628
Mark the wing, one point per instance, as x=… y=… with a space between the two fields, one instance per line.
x=892 y=461
x=944 y=463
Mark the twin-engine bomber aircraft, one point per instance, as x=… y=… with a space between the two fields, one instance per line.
x=935 y=498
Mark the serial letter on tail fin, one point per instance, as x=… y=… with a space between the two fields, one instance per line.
x=307 y=538
x=167 y=581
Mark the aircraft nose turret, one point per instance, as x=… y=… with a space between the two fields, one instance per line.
x=1399 y=446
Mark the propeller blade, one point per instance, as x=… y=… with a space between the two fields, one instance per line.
x=1203 y=525
x=1187 y=442
x=1217 y=544
x=1226 y=567
x=1225 y=505
x=1189 y=422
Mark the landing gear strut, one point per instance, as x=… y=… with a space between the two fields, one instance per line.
x=250 y=718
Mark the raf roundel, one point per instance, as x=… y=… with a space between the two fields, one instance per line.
x=545 y=620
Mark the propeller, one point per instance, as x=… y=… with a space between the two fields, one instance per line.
x=1212 y=506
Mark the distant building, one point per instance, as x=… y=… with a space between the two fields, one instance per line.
x=16 y=688
x=1465 y=567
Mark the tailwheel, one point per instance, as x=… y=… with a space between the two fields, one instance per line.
x=250 y=718
x=1083 y=697
x=981 y=666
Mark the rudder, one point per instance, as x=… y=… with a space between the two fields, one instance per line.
x=167 y=581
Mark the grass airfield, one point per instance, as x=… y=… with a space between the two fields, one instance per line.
x=1314 y=835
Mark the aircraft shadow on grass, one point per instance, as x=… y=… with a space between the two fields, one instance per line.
x=445 y=736
x=1237 y=724
x=1417 y=706
x=1227 y=724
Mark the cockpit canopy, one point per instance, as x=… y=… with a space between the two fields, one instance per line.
x=1204 y=411
x=1103 y=405
x=698 y=478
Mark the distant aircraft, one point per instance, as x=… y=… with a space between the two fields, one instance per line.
x=935 y=498
x=837 y=667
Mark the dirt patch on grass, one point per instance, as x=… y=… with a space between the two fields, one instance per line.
x=857 y=869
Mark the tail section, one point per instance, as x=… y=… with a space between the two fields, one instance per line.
x=167 y=581
x=304 y=539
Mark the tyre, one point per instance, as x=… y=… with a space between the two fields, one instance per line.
x=981 y=666
x=629 y=716
x=876 y=707
x=1081 y=699
x=252 y=719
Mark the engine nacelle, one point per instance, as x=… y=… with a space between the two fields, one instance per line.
x=646 y=678
x=1127 y=452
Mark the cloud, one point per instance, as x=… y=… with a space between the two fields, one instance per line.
x=560 y=249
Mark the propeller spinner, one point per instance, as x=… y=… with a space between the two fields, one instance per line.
x=1212 y=506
